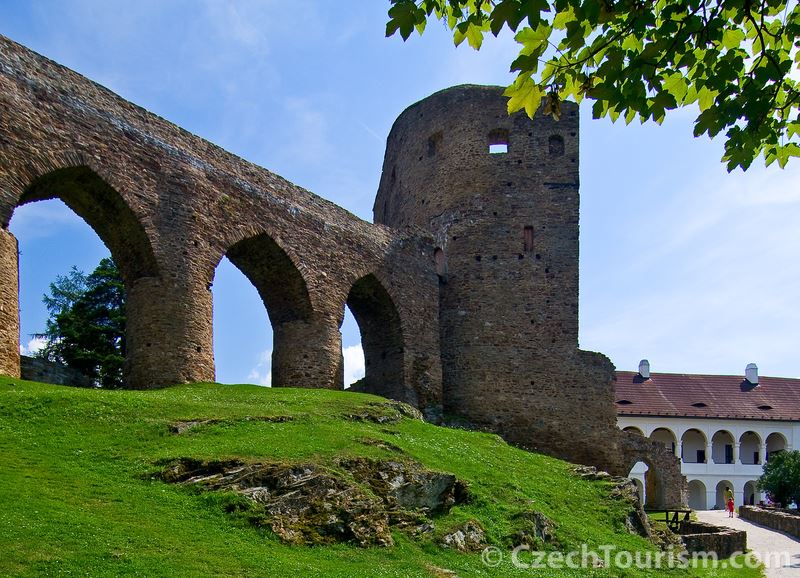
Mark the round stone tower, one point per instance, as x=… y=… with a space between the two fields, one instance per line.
x=499 y=194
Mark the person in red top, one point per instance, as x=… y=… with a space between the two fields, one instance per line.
x=730 y=507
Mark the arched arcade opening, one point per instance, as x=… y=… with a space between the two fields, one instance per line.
x=381 y=339
x=698 y=500
x=665 y=437
x=750 y=448
x=693 y=447
x=722 y=491
x=302 y=352
x=751 y=494
x=722 y=445
x=67 y=200
x=776 y=442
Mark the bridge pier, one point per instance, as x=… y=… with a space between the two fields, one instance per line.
x=169 y=334
x=307 y=354
x=9 y=305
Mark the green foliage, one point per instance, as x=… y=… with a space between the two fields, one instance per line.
x=781 y=477
x=735 y=59
x=79 y=497
x=86 y=328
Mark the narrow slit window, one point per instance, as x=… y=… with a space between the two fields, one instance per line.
x=498 y=141
x=528 y=239
x=441 y=263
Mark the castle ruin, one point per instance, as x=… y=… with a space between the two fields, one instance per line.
x=465 y=288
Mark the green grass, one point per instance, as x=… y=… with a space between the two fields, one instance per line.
x=77 y=496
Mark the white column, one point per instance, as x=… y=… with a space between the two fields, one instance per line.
x=736 y=453
x=762 y=453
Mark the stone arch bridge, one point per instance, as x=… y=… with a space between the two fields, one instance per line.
x=169 y=205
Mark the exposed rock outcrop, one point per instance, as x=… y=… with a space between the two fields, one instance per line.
x=310 y=504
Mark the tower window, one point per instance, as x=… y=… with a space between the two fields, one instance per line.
x=441 y=263
x=528 y=239
x=498 y=141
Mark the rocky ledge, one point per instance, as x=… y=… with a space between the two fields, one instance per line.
x=358 y=501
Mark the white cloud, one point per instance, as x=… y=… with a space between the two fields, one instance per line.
x=354 y=368
x=44 y=219
x=261 y=374
x=707 y=287
x=34 y=345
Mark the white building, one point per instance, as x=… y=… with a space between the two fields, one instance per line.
x=722 y=427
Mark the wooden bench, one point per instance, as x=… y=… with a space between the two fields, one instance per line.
x=674 y=522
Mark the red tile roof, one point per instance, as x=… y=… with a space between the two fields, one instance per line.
x=724 y=396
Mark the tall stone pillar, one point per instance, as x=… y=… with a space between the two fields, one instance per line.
x=9 y=305
x=169 y=334
x=307 y=353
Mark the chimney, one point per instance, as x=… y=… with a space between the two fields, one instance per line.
x=751 y=373
x=644 y=369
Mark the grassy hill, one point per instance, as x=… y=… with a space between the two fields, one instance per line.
x=81 y=494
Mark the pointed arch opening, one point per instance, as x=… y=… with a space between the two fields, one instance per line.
x=381 y=339
x=105 y=211
x=283 y=291
x=50 y=221
x=649 y=482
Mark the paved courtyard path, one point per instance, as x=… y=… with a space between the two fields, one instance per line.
x=784 y=550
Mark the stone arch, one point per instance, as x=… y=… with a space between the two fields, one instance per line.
x=381 y=338
x=722 y=447
x=639 y=490
x=634 y=430
x=698 y=500
x=664 y=485
x=284 y=292
x=654 y=486
x=101 y=206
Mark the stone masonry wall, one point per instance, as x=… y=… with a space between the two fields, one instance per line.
x=465 y=291
x=169 y=206
x=506 y=240
x=43 y=371
x=9 y=308
x=699 y=537
x=777 y=520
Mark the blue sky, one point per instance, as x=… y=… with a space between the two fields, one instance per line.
x=681 y=263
